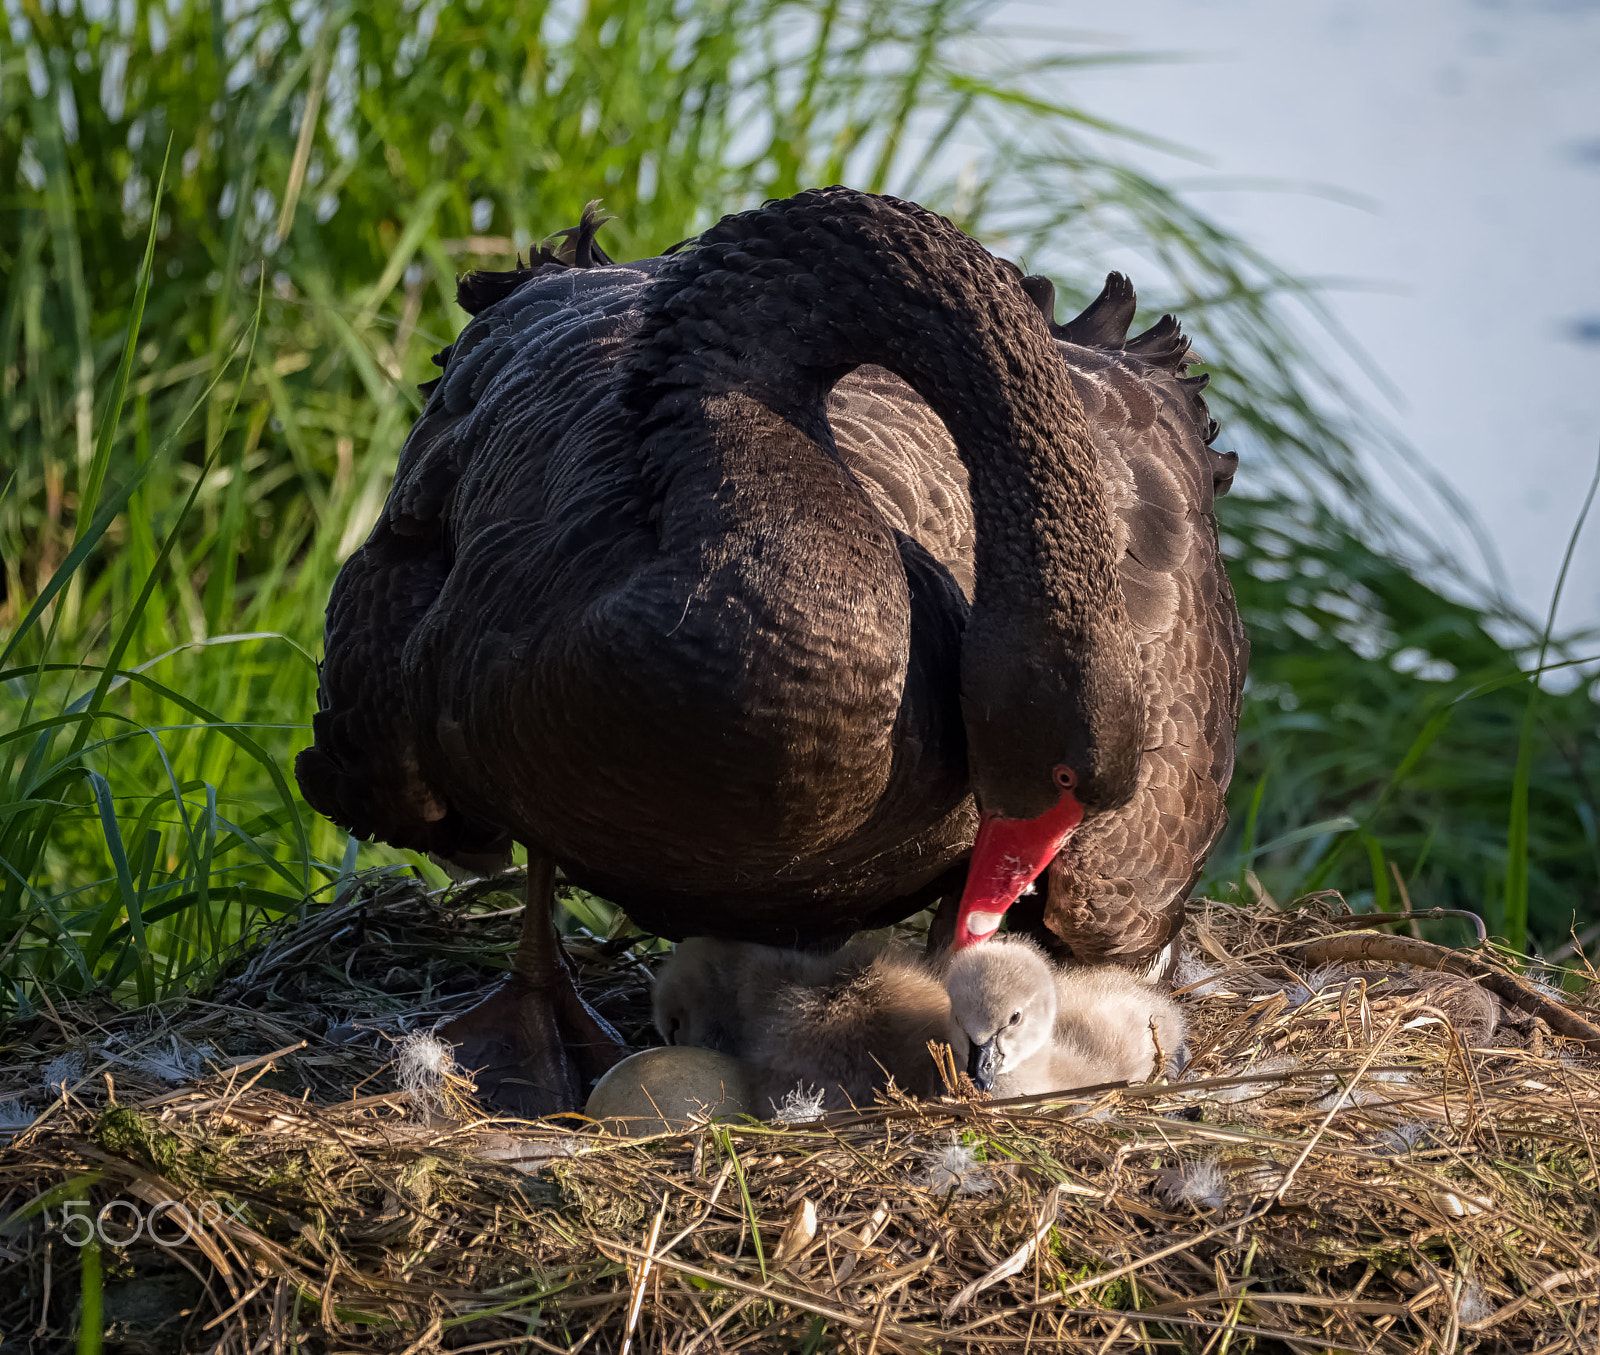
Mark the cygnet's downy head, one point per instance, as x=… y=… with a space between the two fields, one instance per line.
x=1002 y=1007
x=691 y=991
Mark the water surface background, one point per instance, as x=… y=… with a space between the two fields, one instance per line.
x=1463 y=139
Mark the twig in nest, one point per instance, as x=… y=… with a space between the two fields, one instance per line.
x=1425 y=955
x=643 y=1277
x=1013 y=1263
x=1413 y=916
x=944 y=1062
x=1160 y=1065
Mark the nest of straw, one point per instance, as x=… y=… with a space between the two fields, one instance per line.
x=1360 y=1156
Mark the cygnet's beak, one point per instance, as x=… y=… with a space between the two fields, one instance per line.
x=983 y=1063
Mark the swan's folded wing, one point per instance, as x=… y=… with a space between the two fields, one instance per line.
x=369 y=766
x=1117 y=892
x=364 y=770
x=902 y=456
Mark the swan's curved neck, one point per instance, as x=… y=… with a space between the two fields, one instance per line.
x=779 y=303
x=774 y=306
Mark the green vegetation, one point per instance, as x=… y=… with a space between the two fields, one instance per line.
x=1378 y=701
x=229 y=248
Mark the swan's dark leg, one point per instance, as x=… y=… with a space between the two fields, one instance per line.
x=533 y=1044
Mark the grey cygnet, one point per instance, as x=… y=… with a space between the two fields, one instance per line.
x=1021 y=1028
x=842 y=1023
x=847 y=1038
x=718 y=994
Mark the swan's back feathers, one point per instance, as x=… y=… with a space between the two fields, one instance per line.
x=529 y=364
x=903 y=459
x=478 y=290
x=1104 y=322
x=364 y=770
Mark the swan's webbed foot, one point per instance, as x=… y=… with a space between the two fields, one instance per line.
x=534 y=1048
x=533 y=1045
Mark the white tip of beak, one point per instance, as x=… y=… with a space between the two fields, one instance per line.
x=982 y=924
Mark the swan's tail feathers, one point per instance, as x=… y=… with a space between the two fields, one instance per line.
x=578 y=248
x=1042 y=292
x=1164 y=344
x=1104 y=322
x=375 y=794
x=441 y=360
x=574 y=247
x=478 y=290
x=1223 y=467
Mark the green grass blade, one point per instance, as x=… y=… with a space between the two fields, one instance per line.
x=60 y=198
x=1516 y=909
x=749 y=1204
x=1341 y=824
x=1380 y=874
x=91 y=1319
x=1425 y=739
x=347 y=868
x=912 y=84
x=1249 y=849
x=81 y=550
x=1515 y=919
x=130 y=623
x=229 y=730
x=130 y=345
x=101 y=790
x=418 y=222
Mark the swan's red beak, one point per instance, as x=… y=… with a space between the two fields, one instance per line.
x=1009 y=855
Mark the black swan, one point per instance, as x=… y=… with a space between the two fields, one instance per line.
x=676 y=589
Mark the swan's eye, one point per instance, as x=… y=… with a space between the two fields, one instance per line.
x=1015 y=1017
x=1064 y=776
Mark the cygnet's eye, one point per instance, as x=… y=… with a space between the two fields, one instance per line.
x=1015 y=1017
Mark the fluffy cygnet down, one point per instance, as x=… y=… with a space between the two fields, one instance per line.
x=716 y=994
x=842 y=1023
x=1022 y=1028
x=872 y=1021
